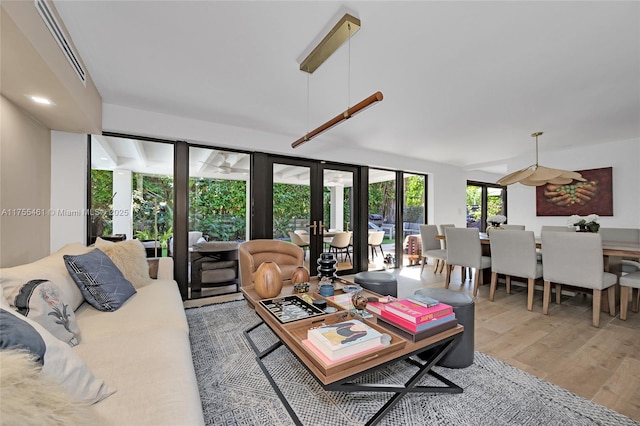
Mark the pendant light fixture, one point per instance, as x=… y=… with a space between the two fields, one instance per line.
x=341 y=32
x=536 y=175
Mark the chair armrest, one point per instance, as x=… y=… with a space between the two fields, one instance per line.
x=161 y=268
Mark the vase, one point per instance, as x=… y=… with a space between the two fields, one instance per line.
x=268 y=280
x=326 y=266
x=493 y=228
x=300 y=275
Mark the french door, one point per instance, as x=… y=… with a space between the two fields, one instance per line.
x=314 y=206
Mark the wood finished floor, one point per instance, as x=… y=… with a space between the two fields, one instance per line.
x=599 y=364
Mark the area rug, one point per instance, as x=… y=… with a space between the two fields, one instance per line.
x=234 y=390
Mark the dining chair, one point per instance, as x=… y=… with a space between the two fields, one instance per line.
x=374 y=240
x=340 y=244
x=301 y=241
x=443 y=246
x=463 y=249
x=431 y=248
x=576 y=259
x=629 y=283
x=513 y=253
x=513 y=227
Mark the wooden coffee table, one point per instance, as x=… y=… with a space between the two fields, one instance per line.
x=339 y=376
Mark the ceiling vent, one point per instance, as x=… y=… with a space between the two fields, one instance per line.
x=58 y=34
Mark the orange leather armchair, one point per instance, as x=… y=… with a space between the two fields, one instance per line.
x=252 y=253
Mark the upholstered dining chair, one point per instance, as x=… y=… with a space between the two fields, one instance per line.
x=513 y=253
x=463 y=249
x=576 y=259
x=513 y=227
x=301 y=241
x=443 y=246
x=374 y=239
x=340 y=244
x=431 y=248
x=629 y=286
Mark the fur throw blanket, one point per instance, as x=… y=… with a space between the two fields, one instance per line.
x=30 y=399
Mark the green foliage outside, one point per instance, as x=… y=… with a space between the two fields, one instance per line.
x=217 y=208
x=474 y=198
x=152 y=207
x=101 y=202
x=290 y=208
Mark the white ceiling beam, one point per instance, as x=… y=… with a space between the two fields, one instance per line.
x=104 y=144
x=142 y=155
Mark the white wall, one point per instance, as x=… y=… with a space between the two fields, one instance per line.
x=68 y=188
x=623 y=156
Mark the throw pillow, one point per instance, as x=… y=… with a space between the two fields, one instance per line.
x=30 y=398
x=50 y=268
x=59 y=362
x=99 y=279
x=130 y=257
x=41 y=301
x=17 y=334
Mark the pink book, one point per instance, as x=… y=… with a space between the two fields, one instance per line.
x=375 y=307
x=327 y=361
x=415 y=312
x=415 y=328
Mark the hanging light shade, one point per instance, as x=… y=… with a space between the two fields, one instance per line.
x=536 y=175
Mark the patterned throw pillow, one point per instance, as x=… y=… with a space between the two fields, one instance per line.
x=100 y=281
x=41 y=301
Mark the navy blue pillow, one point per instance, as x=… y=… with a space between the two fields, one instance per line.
x=99 y=279
x=18 y=334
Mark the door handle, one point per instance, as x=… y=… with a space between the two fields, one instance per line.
x=314 y=226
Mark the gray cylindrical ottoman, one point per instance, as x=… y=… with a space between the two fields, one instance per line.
x=383 y=283
x=461 y=354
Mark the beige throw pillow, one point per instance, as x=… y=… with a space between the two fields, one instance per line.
x=130 y=257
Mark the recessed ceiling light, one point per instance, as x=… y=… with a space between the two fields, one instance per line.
x=104 y=158
x=41 y=100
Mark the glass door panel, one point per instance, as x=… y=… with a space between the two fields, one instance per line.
x=483 y=201
x=382 y=218
x=292 y=207
x=413 y=216
x=218 y=205
x=337 y=216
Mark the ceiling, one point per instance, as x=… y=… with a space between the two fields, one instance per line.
x=464 y=83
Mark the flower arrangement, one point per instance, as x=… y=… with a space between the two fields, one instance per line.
x=586 y=224
x=497 y=220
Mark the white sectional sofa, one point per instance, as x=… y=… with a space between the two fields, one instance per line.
x=142 y=349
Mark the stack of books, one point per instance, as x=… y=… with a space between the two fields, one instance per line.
x=414 y=318
x=343 y=340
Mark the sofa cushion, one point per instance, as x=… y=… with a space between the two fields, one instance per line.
x=50 y=268
x=130 y=257
x=153 y=371
x=99 y=279
x=64 y=366
x=154 y=306
x=41 y=301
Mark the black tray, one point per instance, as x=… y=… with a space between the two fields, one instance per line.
x=291 y=308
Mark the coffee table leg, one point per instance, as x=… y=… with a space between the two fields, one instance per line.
x=261 y=354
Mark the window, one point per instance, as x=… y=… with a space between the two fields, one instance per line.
x=483 y=201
